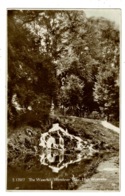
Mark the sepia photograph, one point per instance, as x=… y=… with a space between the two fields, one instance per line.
x=63 y=99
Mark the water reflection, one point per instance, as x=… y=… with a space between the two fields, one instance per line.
x=51 y=169
x=58 y=160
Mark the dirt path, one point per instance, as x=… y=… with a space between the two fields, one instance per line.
x=110 y=126
x=107 y=173
x=106 y=178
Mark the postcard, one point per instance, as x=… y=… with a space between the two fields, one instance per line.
x=63 y=95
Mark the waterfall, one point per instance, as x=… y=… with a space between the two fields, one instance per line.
x=57 y=137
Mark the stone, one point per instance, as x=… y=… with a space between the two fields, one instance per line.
x=58 y=138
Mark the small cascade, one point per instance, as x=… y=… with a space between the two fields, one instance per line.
x=58 y=138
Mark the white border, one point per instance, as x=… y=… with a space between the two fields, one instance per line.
x=3 y=57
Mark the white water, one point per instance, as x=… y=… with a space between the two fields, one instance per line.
x=49 y=141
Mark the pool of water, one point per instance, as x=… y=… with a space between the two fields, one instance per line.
x=48 y=170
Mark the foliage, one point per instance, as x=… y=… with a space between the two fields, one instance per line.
x=31 y=74
x=106 y=92
x=62 y=57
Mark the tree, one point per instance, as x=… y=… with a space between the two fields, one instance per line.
x=106 y=87
x=58 y=56
x=106 y=92
x=71 y=94
x=31 y=74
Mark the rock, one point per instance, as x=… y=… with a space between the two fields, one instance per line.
x=102 y=134
x=35 y=148
x=96 y=131
x=58 y=138
x=10 y=146
x=29 y=131
x=27 y=143
x=96 y=146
